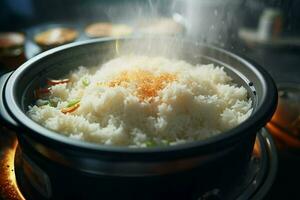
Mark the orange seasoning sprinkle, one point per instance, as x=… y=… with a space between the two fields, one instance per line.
x=70 y=109
x=147 y=83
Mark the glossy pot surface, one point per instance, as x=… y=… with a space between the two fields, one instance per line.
x=213 y=160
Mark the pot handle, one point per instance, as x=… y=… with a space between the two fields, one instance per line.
x=5 y=117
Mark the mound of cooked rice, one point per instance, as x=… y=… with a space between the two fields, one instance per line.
x=141 y=101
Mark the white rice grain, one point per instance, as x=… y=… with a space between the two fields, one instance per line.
x=202 y=102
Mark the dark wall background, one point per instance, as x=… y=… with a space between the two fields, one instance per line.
x=19 y=14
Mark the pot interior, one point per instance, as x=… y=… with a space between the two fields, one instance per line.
x=57 y=63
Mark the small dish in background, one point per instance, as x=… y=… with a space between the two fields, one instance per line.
x=105 y=29
x=54 y=37
x=12 y=49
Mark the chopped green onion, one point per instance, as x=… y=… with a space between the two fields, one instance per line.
x=150 y=144
x=165 y=142
x=41 y=102
x=53 y=102
x=72 y=103
x=85 y=82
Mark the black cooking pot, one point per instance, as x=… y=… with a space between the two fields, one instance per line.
x=55 y=166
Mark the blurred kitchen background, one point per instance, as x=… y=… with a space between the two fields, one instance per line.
x=264 y=26
x=266 y=31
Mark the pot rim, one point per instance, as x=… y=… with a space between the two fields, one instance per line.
x=258 y=118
